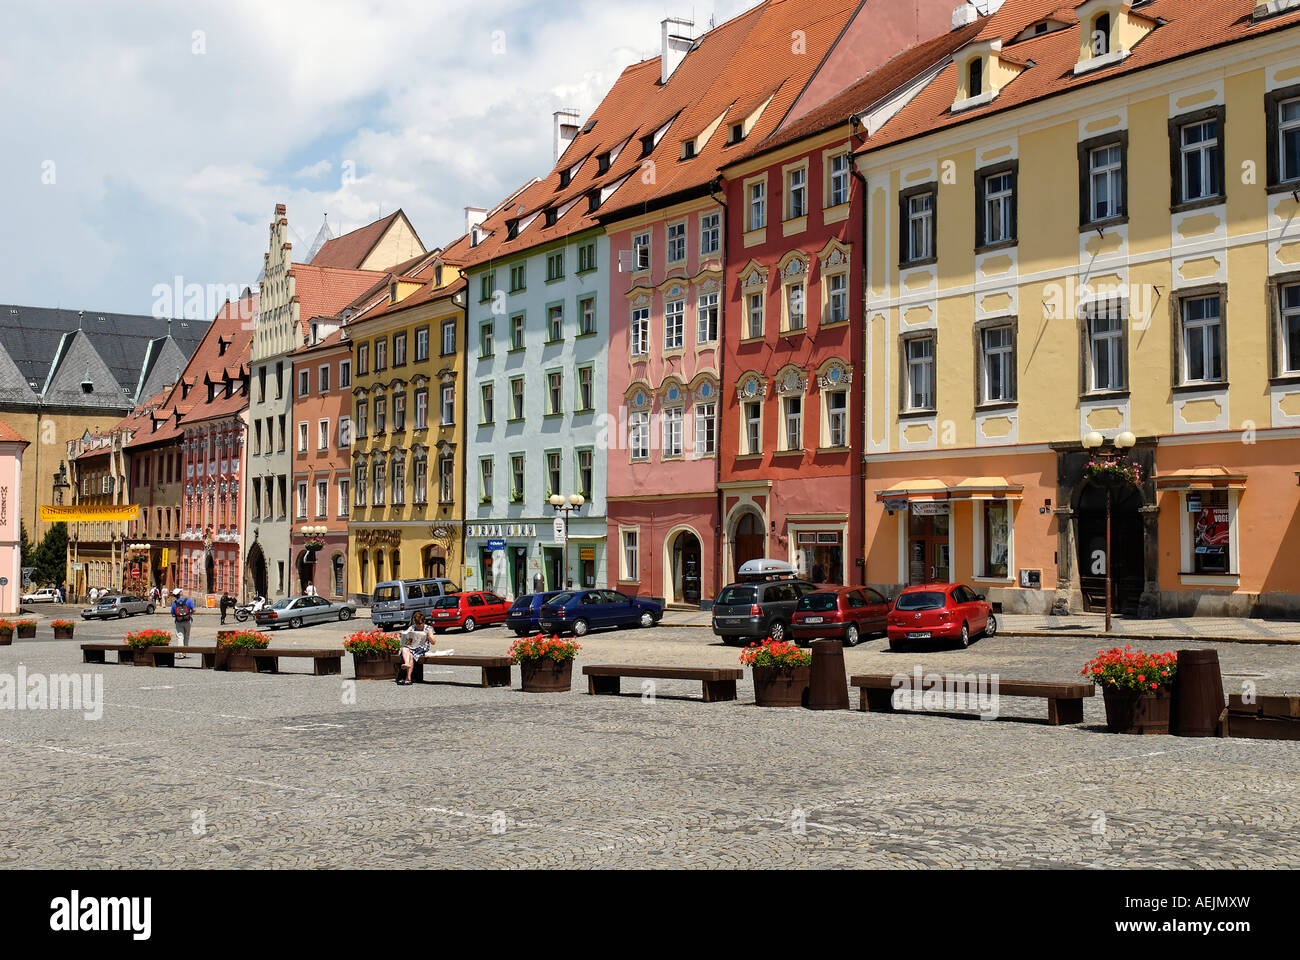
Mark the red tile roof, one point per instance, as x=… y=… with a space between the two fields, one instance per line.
x=9 y=435
x=325 y=291
x=350 y=250
x=1191 y=26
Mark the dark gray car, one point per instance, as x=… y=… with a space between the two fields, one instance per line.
x=750 y=612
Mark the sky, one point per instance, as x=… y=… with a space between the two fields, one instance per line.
x=147 y=143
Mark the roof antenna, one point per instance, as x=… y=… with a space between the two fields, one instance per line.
x=81 y=315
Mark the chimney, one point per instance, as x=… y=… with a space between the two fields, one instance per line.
x=677 y=36
x=566 y=130
x=965 y=15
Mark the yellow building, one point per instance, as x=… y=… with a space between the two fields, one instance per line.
x=408 y=431
x=1085 y=243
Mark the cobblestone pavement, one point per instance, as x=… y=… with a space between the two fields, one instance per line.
x=189 y=768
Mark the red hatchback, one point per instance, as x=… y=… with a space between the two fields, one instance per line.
x=940 y=611
x=839 y=613
x=468 y=611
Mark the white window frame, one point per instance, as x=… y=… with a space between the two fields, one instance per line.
x=838 y=168
x=302 y=436
x=1001 y=355
x=641 y=259
x=638 y=435
x=756 y=308
x=999 y=192
x=706 y=428
x=1106 y=175
x=674 y=324
x=1288 y=362
x=323 y=433
x=751 y=426
x=921 y=373
x=792 y=409
x=710 y=233
x=675 y=242
x=1207 y=330
x=1287 y=128
x=672 y=431
x=706 y=314
x=1113 y=337
x=640 y=340
x=977 y=541
x=796 y=193
x=920 y=227
x=836 y=418
x=756 y=206
x=629 y=539
x=1205 y=148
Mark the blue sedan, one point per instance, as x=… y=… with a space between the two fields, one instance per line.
x=525 y=611
x=582 y=611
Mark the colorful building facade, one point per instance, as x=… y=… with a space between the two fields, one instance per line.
x=12 y=446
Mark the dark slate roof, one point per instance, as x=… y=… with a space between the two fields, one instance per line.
x=13 y=386
x=80 y=377
x=163 y=364
x=33 y=335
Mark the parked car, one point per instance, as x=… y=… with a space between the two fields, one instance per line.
x=394 y=601
x=299 y=611
x=580 y=611
x=117 y=605
x=757 y=610
x=839 y=613
x=43 y=595
x=940 y=611
x=467 y=611
x=525 y=613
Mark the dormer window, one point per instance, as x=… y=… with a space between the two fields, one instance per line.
x=602 y=163
x=975 y=78
x=1101 y=35
x=565 y=177
x=647 y=145
x=737 y=133
x=552 y=215
x=512 y=229
x=688 y=149
x=982 y=71
x=1109 y=29
x=593 y=201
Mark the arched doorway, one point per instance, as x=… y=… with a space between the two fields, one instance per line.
x=1127 y=533
x=433 y=562
x=255 y=579
x=306 y=569
x=683 y=568
x=747 y=540
x=397 y=565
x=339 y=567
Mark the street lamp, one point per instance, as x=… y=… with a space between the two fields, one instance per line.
x=566 y=506
x=1092 y=442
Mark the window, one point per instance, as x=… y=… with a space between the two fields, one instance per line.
x=446 y=479
x=585 y=394
x=420 y=488
x=1209 y=516
x=448 y=337
x=920 y=373
x=361 y=418
x=585 y=473
x=257 y=499
x=631 y=564
x=517 y=332
x=363 y=359
x=641 y=251
x=1289 y=355
x=1106 y=348
x=381 y=355
x=996 y=216
x=323 y=379
x=674 y=324
x=517 y=478
x=706 y=429
x=792 y=415
x=422 y=408
x=381 y=414
x=998 y=367
x=1104 y=192
x=345 y=493
x=448 y=409
x=586 y=257
x=796 y=194
x=322 y=435
x=753 y=428
x=422 y=343
x=399 y=412
x=839 y=180
x=837 y=418
x=261 y=384
x=485 y=480
x=638 y=431
x=399 y=349
x=707 y=318
x=756 y=303
x=257 y=436
x=996 y=537
x=710 y=233
x=555 y=392
x=302 y=437
x=676 y=242
x=518 y=277
x=757 y=206
x=1284 y=136
x=381 y=478
x=304 y=382
x=301 y=500
x=1202 y=340
x=587 y=316
x=553 y=480
x=485 y=345
x=345 y=374
x=1198 y=161
x=554 y=265
x=399 y=481
x=672 y=432
x=794 y=304
x=487 y=286
x=279 y=380
x=640 y=344
x=517 y=398
x=1101 y=35
x=555 y=322
x=360 y=471
x=345 y=431
x=837 y=298
x=975 y=78
x=918 y=226
x=487 y=404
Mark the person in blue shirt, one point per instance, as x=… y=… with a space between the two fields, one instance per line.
x=183 y=618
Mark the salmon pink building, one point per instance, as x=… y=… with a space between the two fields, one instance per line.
x=12 y=446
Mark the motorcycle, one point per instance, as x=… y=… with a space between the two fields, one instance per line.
x=242 y=613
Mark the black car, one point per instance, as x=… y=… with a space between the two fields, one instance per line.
x=525 y=613
x=750 y=612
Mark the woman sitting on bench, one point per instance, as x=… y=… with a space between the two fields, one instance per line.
x=417 y=639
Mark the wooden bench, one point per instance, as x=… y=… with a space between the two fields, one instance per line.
x=496 y=670
x=719 y=682
x=1064 y=700
x=94 y=652
x=1266 y=717
x=166 y=656
x=325 y=663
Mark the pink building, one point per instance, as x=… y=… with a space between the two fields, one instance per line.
x=12 y=446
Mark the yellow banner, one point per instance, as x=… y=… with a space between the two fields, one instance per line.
x=90 y=513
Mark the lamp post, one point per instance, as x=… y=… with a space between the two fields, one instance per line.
x=1093 y=442
x=566 y=506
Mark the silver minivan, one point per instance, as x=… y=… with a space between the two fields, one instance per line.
x=394 y=601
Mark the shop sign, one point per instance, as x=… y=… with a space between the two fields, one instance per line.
x=923 y=508
x=587 y=553
x=495 y=545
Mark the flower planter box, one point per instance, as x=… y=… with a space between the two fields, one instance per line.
x=546 y=675
x=1128 y=711
x=373 y=666
x=6 y=638
x=781 y=686
x=63 y=633
x=241 y=660
x=26 y=631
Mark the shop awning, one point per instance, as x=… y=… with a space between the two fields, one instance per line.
x=968 y=488
x=1215 y=477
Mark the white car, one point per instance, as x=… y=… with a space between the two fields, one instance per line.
x=43 y=595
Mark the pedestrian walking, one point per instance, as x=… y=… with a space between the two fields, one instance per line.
x=93 y=595
x=182 y=618
x=311 y=589
x=227 y=603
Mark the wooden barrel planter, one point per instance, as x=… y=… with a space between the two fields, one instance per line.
x=27 y=631
x=374 y=666
x=1132 y=712
x=546 y=675
x=781 y=686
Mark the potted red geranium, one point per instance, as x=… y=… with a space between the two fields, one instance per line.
x=781 y=672
x=63 y=629
x=26 y=629
x=6 y=633
x=140 y=641
x=372 y=654
x=545 y=663
x=1136 y=687
x=238 y=647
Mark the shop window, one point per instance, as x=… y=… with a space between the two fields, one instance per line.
x=1209 y=523
x=821 y=555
